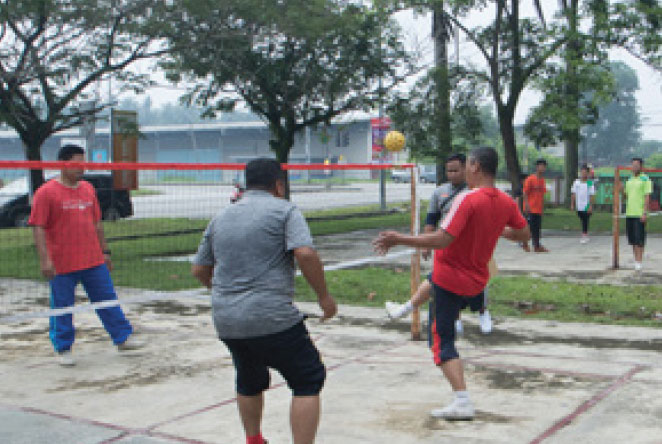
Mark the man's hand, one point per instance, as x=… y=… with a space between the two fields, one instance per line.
x=643 y=218
x=47 y=269
x=590 y=209
x=108 y=261
x=385 y=241
x=426 y=253
x=328 y=306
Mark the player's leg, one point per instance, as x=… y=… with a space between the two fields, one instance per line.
x=252 y=379
x=484 y=318
x=420 y=297
x=61 y=328
x=99 y=287
x=296 y=358
x=447 y=307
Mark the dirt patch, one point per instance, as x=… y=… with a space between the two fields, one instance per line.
x=142 y=376
x=524 y=380
x=172 y=307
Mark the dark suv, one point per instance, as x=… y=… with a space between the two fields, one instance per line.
x=15 y=207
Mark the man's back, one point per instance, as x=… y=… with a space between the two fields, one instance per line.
x=476 y=221
x=250 y=243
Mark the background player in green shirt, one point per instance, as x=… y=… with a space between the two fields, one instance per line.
x=637 y=189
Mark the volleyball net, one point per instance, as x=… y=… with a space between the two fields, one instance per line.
x=155 y=213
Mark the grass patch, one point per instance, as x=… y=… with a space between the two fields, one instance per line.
x=146 y=192
x=509 y=296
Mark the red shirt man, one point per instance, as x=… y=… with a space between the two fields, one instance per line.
x=534 y=201
x=464 y=246
x=462 y=267
x=69 y=217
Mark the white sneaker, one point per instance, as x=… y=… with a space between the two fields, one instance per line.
x=485 y=322
x=456 y=410
x=131 y=343
x=395 y=310
x=65 y=359
x=584 y=240
x=638 y=266
x=459 y=328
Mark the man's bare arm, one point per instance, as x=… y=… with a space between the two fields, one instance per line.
x=102 y=242
x=437 y=240
x=520 y=235
x=313 y=271
x=203 y=273
x=45 y=263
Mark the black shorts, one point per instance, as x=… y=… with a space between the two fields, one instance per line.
x=290 y=352
x=447 y=307
x=636 y=231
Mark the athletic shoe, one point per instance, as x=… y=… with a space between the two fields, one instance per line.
x=541 y=249
x=584 y=239
x=131 y=343
x=395 y=310
x=525 y=246
x=485 y=322
x=456 y=410
x=459 y=328
x=65 y=359
x=638 y=266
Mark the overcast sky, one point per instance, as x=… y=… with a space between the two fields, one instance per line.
x=417 y=31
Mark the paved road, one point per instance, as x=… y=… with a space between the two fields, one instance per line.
x=195 y=201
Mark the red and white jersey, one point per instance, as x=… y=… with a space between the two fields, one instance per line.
x=476 y=221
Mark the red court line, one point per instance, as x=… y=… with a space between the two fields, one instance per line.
x=587 y=405
x=37 y=165
x=115 y=439
x=72 y=418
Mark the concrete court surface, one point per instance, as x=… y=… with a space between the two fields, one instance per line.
x=531 y=381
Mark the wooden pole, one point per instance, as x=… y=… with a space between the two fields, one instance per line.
x=615 y=217
x=416 y=256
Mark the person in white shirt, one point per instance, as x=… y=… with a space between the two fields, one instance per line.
x=583 y=192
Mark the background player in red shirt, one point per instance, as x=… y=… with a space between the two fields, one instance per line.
x=534 y=202
x=463 y=247
x=72 y=248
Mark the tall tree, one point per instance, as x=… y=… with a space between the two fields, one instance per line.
x=416 y=113
x=515 y=49
x=51 y=54
x=616 y=134
x=296 y=64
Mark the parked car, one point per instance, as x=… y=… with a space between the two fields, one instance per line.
x=428 y=176
x=15 y=206
x=401 y=176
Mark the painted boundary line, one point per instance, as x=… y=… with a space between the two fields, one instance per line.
x=587 y=405
x=199 y=294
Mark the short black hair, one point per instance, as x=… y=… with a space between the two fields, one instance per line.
x=584 y=167
x=263 y=173
x=638 y=159
x=457 y=156
x=487 y=158
x=69 y=151
x=541 y=162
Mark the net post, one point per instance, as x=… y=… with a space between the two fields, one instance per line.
x=415 y=276
x=615 y=217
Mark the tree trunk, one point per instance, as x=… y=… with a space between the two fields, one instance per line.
x=507 y=129
x=33 y=152
x=442 y=85
x=572 y=135
x=282 y=146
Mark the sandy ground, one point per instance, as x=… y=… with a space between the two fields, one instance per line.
x=532 y=381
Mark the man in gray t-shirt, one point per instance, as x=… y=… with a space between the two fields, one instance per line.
x=246 y=257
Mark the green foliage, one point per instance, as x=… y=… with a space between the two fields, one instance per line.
x=615 y=135
x=295 y=64
x=654 y=161
x=53 y=52
x=415 y=113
